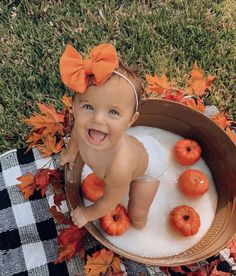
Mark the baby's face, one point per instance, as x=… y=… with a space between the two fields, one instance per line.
x=103 y=113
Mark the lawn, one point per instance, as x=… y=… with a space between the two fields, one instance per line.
x=159 y=36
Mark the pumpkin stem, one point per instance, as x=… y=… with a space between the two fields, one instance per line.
x=116 y=217
x=188 y=149
x=186 y=217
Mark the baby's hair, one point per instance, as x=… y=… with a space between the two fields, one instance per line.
x=132 y=74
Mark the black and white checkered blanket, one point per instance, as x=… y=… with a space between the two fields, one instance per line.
x=28 y=233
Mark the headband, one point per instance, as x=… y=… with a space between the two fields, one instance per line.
x=76 y=72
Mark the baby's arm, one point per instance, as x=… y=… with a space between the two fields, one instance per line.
x=69 y=153
x=117 y=185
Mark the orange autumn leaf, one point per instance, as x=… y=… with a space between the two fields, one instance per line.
x=197 y=84
x=59 y=217
x=231 y=134
x=71 y=242
x=157 y=85
x=50 y=120
x=27 y=186
x=67 y=101
x=50 y=146
x=196 y=104
x=220 y=119
x=34 y=137
x=102 y=261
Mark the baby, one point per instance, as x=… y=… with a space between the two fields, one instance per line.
x=105 y=105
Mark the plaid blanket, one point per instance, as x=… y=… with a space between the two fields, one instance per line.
x=28 y=233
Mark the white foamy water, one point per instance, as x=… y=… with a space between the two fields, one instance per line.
x=157 y=239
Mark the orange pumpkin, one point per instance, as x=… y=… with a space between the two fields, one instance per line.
x=184 y=220
x=116 y=222
x=187 y=152
x=193 y=183
x=92 y=187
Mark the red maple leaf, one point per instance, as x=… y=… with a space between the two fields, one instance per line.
x=58 y=198
x=59 y=217
x=70 y=241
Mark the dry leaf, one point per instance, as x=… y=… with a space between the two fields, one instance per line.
x=196 y=104
x=42 y=180
x=58 y=198
x=157 y=85
x=174 y=95
x=27 y=186
x=59 y=217
x=220 y=119
x=51 y=120
x=50 y=146
x=102 y=261
x=197 y=84
x=231 y=134
x=67 y=101
x=34 y=138
x=70 y=241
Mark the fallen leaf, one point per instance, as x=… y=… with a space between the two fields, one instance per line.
x=42 y=180
x=58 y=198
x=216 y=272
x=157 y=85
x=59 y=217
x=232 y=246
x=197 y=84
x=220 y=119
x=67 y=101
x=70 y=241
x=174 y=95
x=196 y=104
x=34 y=137
x=27 y=186
x=102 y=261
x=49 y=146
x=231 y=134
x=50 y=120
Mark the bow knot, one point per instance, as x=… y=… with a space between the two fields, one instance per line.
x=76 y=71
x=88 y=66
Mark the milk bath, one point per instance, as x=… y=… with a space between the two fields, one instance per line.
x=157 y=239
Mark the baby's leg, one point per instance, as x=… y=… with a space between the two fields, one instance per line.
x=141 y=195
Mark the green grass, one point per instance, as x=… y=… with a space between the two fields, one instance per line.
x=160 y=36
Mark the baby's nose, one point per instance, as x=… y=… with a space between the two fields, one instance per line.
x=99 y=118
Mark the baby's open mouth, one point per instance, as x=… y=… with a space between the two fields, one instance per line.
x=97 y=135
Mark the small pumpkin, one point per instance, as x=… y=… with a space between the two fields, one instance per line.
x=187 y=152
x=193 y=183
x=116 y=222
x=92 y=187
x=184 y=220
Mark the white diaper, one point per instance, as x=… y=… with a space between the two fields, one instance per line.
x=157 y=157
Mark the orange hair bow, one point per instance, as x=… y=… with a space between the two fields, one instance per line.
x=75 y=71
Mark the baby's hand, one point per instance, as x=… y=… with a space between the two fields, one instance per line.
x=66 y=157
x=78 y=217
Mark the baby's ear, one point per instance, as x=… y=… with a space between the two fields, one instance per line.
x=134 y=118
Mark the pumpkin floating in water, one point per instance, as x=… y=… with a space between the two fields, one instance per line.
x=184 y=220
x=92 y=187
x=187 y=152
x=116 y=222
x=193 y=183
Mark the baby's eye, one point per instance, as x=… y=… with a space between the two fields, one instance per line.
x=113 y=112
x=87 y=106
